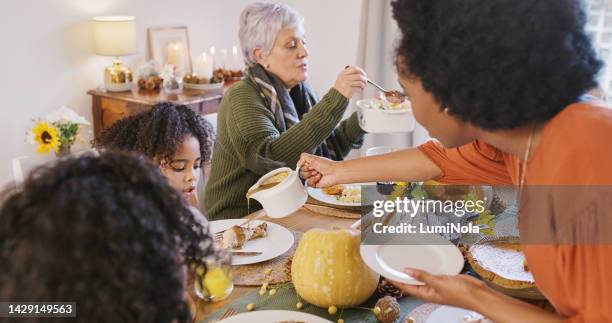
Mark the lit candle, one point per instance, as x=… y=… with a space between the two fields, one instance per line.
x=175 y=55
x=199 y=65
x=224 y=58
x=171 y=54
x=212 y=56
x=204 y=66
x=235 y=66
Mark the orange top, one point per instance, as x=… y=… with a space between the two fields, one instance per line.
x=575 y=150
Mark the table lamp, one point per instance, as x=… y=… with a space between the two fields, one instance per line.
x=115 y=36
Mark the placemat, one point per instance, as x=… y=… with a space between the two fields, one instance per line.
x=330 y=211
x=256 y=274
x=286 y=299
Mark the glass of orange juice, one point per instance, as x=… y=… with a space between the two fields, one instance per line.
x=213 y=282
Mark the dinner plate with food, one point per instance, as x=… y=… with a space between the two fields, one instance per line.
x=346 y=195
x=275 y=316
x=253 y=242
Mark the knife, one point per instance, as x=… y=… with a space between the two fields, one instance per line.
x=246 y=253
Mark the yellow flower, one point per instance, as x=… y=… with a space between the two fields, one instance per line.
x=46 y=136
x=487 y=219
x=399 y=190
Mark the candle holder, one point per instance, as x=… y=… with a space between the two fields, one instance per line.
x=195 y=82
x=173 y=81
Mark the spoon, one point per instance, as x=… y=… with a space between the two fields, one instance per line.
x=393 y=96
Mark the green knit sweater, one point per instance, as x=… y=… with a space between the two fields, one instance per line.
x=248 y=145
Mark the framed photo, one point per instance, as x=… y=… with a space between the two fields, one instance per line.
x=170 y=45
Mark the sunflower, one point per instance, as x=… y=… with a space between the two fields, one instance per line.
x=46 y=136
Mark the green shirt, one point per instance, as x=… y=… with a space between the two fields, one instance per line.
x=249 y=145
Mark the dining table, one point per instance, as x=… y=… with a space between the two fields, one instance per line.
x=301 y=221
x=305 y=219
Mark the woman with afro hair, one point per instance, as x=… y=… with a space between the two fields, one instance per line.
x=77 y=232
x=172 y=136
x=500 y=84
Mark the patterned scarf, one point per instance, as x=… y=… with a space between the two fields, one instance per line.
x=288 y=107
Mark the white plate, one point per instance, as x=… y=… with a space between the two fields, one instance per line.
x=438 y=256
x=319 y=195
x=276 y=243
x=444 y=314
x=209 y=86
x=274 y=316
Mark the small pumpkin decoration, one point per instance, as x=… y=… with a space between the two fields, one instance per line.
x=327 y=269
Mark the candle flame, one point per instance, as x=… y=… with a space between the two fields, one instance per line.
x=212 y=50
x=235 y=50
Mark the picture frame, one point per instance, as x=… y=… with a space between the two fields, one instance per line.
x=170 y=45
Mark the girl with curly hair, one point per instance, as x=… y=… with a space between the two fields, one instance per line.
x=172 y=136
x=75 y=232
x=501 y=84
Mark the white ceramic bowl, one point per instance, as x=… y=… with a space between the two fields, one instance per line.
x=283 y=199
x=375 y=120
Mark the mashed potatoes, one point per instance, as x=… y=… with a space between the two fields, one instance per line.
x=350 y=195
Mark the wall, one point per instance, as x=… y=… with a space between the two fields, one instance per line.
x=48 y=60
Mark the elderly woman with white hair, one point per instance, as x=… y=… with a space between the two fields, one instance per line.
x=272 y=116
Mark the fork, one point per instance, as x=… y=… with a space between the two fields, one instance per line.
x=219 y=235
x=229 y=313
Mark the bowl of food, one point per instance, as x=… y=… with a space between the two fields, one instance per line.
x=280 y=192
x=385 y=115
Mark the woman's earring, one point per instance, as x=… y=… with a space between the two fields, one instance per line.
x=446 y=110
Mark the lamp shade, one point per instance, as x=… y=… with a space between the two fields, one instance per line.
x=115 y=35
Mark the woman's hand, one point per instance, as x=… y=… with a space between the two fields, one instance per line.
x=458 y=290
x=472 y=294
x=318 y=171
x=350 y=81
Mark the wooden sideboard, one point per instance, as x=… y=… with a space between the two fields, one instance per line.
x=108 y=107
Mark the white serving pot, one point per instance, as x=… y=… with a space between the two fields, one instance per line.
x=375 y=120
x=283 y=199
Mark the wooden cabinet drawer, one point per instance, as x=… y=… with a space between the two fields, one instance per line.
x=113 y=110
x=108 y=107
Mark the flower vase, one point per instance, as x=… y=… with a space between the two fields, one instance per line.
x=62 y=151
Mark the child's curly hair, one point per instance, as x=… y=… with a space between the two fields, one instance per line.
x=157 y=133
x=106 y=232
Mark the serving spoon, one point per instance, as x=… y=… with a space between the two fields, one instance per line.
x=390 y=95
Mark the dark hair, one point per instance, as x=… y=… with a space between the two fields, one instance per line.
x=106 y=232
x=498 y=64
x=157 y=133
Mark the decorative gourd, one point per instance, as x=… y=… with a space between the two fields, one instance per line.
x=327 y=269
